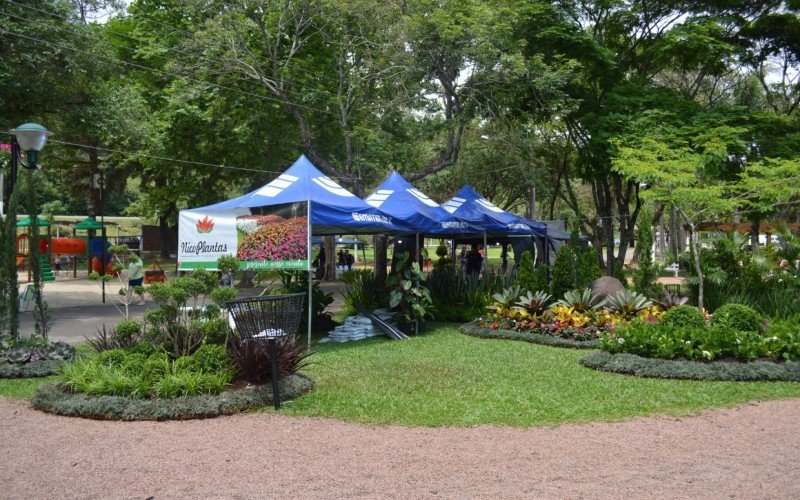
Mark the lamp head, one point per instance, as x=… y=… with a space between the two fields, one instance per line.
x=31 y=138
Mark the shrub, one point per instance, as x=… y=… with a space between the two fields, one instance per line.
x=563 y=272
x=206 y=359
x=362 y=288
x=737 y=317
x=252 y=363
x=462 y=297
x=646 y=276
x=113 y=357
x=587 y=268
x=684 y=316
x=530 y=278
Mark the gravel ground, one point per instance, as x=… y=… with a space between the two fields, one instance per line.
x=750 y=451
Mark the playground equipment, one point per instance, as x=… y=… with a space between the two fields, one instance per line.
x=23 y=247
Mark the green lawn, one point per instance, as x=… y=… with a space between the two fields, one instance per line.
x=446 y=378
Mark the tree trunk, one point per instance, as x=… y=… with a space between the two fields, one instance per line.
x=166 y=236
x=755 y=228
x=381 y=243
x=330 y=262
x=696 y=254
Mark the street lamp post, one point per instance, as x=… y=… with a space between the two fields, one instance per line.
x=28 y=137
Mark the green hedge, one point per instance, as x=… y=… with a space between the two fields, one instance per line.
x=631 y=364
x=30 y=370
x=51 y=399
x=485 y=333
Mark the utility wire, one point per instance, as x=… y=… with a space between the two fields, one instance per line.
x=164 y=158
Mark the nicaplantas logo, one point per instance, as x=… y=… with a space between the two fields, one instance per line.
x=205 y=225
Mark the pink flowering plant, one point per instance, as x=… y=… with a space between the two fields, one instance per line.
x=276 y=240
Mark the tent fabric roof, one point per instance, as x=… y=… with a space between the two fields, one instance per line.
x=88 y=224
x=334 y=209
x=470 y=206
x=26 y=222
x=413 y=210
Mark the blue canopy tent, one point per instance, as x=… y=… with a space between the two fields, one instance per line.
x=413 y=211
x=331 y=209
x=470 y=206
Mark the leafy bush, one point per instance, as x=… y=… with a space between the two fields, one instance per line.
x=703 y=343
x=684 y=316
x=116 y=372
x=530 y=278
x=207 y=359
x=116 y=338
x=408 y=293
x=362 y=288
x=737 y=317
x=645 y=277
x=458 y=296
x=564 y=276
x=252 y=363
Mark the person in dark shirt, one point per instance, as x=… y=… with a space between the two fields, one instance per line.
x=474 y=260
x=340 y=258
x=348 y=260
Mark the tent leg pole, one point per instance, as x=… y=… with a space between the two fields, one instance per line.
x=486 y=253
x=310 y=275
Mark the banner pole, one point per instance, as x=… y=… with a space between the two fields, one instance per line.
x=308 y=266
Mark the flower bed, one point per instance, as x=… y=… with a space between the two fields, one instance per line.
x=51 y=398
x=475 y=329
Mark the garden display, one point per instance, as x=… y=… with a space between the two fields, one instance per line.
x=580 y=315
x=181 y=362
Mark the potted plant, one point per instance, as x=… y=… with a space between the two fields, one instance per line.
x=409 y=296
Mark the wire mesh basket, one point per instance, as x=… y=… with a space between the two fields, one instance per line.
x=268 y=316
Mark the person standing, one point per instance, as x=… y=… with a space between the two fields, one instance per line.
x=348 y=260
x=340 y=259
x=135 y=273
x=474 y=260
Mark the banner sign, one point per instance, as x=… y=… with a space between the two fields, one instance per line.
x=275 y=237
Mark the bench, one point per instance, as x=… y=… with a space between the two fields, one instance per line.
x=674 y=267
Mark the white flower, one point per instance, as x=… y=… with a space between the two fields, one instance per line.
x=738 y=341
x=620 y=340
x=707 y=355
x=688 y=342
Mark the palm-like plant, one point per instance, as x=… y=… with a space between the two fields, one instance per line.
x=626 y=303
x=505 y=299
x=534 y=303
x=671 y=300
x=581 y=300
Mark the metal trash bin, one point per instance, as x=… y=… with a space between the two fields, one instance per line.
x=264 y=319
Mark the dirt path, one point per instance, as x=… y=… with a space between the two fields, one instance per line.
x=752 y=451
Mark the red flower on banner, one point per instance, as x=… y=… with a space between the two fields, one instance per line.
x=205 y=225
